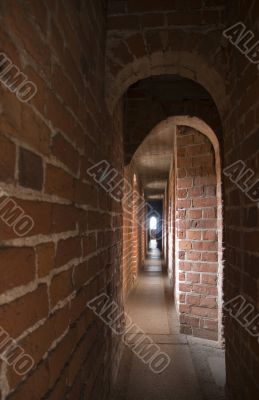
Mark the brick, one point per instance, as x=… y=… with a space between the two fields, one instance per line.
x=121 y=53
x=204 y=202
x=209 y=235
x=205 y=267
x=185 y=245
x=210 y=190
x=17 y=267
x=89 y=244
x=194 y=278
x=62 y=86
x=182 y=297
x=56 y=40
x=204 y=180
x=205 y=334
x=181 y=214
x=193 y=300
x=204 y=160
x=183 y=203
x=210 y=256
x=209 y=302
x=31 y=123
x=205 y=312
x=86 y=194
x=30 y=170
x=59 y=183
x=60 y=356
x=195 y=192
x=39 y=100
x=154 y=43
x=62 y=119
x=64 y=218
x=193 y=255
x=204 y=289
x=67 y=250
x=59 y=389
x=40 y=212
x=35 y=386
x=183 y=183
x=61 y=287
x=181 y=276
x=7 y=159
x=136 y=45
x=194 y=214
x=190 y=320
x=184 y=308
x=181 y=234
x=46 y=258
x=182 y=194
x=20 y=314
x=209 y=279
x=184 y=140
x=152 y=20
x=65 y=152
x=38 y=12
x=209 y=213
x=23 y=28
x=183 y=287
x=203 y=246
x=85 y=271
x=38 y=342
x=152 y=5
x=184 y=18
x=210 y=324
x=194 y=235
x=185 y=266
x=251 y=240
x=123 y=22
x=76 y=388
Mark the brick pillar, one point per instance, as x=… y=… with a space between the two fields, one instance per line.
x=197 y=236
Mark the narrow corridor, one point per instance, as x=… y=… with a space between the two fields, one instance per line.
x=124 y=122
x=197 y=366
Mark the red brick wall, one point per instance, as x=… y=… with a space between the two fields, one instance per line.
x=133 y=233
x=45 y=147
x=171 y=37
x=196 y=235
x=171 y=226
x=241 y=142
x=185 y=38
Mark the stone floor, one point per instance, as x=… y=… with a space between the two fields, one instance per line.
x=197 y=367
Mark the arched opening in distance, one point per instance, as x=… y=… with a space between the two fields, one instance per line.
x=179 y=162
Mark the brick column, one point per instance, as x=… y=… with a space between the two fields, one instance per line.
x=197 y=238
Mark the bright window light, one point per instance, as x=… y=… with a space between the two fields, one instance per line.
x=153 y=223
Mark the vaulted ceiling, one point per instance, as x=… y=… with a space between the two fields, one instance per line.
x=153 y=160
x=147 y=103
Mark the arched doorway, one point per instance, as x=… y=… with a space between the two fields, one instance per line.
x=192 y=201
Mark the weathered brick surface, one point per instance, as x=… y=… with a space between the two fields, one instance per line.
x=30 y=170
x=197 y=235
x=65 y=128
x=133 y=233
x=46 y=146
x=7 y=159
x=233 y=83
x=21 y=269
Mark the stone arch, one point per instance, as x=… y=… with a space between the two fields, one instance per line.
x=191 y=64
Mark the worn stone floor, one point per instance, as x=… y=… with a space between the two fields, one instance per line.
x=197 y=367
